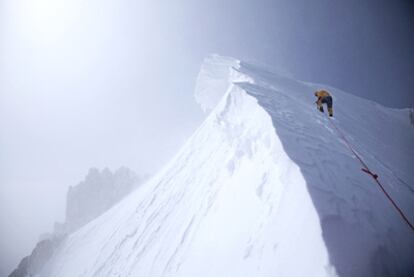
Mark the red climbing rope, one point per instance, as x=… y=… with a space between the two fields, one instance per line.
x=366 y=169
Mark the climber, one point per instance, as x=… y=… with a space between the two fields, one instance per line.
x=324 y=97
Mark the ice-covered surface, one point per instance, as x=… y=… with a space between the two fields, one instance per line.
x=264 y=187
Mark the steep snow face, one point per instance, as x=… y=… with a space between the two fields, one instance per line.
x=265 y=187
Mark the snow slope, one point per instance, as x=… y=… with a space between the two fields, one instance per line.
x=264 y=187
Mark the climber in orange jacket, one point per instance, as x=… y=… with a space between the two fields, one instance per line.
x=324 y=97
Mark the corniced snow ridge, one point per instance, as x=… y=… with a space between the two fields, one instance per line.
x=264 y=187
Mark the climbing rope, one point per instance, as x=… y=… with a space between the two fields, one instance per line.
x=366 y=169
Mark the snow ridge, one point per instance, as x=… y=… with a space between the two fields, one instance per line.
x=264 y=187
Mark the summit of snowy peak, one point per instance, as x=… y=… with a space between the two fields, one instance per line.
x=216 y=75
x=348 y=204
x=266 y=186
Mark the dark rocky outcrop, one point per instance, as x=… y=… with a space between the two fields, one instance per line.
x=32 y=264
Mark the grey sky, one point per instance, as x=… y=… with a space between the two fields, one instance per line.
x=110 y=83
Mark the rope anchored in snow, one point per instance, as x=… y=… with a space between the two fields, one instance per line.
x=366 y=169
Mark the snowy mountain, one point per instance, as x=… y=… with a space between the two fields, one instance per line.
x=266 y=186
x=95 y=195
x=86 y=201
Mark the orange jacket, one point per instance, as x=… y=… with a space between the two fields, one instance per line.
x=321 y=93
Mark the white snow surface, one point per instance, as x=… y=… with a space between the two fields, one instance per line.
x=264 y=187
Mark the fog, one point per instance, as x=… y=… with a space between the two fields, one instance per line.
x=110 y=83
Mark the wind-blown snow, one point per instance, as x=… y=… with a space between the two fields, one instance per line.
x=215 y=78
x=264 y=187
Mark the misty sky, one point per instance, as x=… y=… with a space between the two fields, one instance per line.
x=88 y=83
